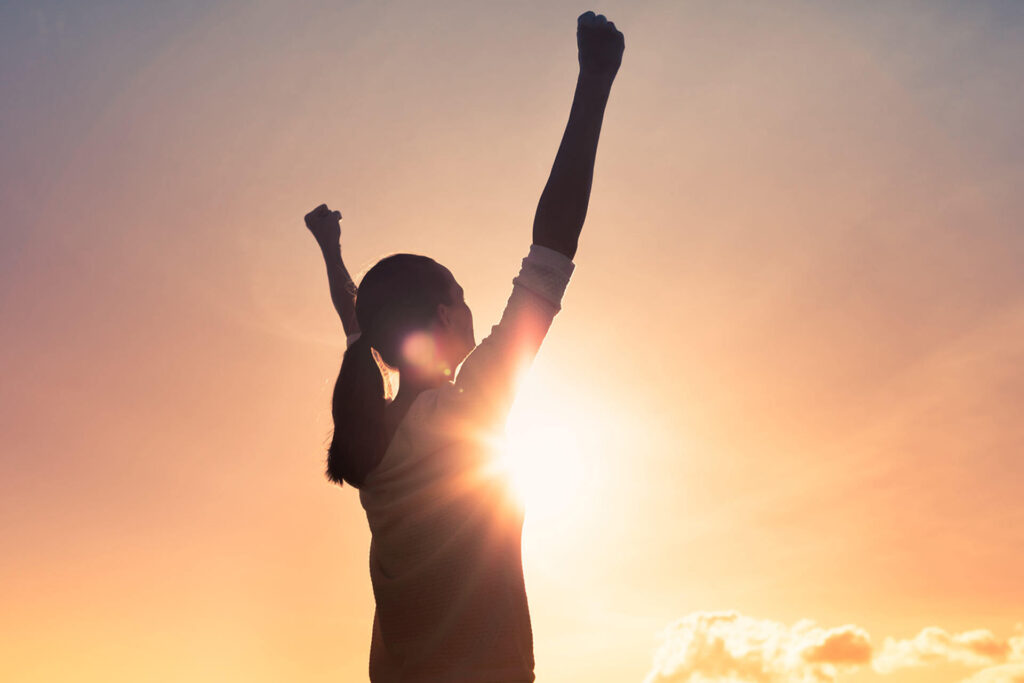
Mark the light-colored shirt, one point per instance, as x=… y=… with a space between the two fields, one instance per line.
x=445 y=554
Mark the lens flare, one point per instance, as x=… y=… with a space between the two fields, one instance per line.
x=420 y=350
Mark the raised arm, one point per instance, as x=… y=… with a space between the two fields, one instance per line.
x=326 y=228
x=488 y=378
x=563 y=204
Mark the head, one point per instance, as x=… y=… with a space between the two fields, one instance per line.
x=413 y=313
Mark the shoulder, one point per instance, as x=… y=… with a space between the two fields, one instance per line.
x=429 y=417
x=434 y=423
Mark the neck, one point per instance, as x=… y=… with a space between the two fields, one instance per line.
x=411 y=384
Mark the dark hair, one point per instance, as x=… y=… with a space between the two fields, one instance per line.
x=398 y=296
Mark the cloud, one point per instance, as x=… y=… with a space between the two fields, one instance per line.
x=978 y=648
x=1005 y=673
x=1012 y=671
x=727 y=647
x=847 y=645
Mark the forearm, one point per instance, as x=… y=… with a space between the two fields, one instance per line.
x=343 y=289
x=562 y=208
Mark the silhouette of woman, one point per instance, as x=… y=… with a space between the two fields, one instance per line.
x=445 y=554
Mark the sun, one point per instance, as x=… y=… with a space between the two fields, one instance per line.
x=542 y=456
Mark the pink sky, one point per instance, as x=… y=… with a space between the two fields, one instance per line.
x=791 y=352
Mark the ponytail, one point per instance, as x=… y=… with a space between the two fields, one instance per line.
x=360 y=435
x=398 y=296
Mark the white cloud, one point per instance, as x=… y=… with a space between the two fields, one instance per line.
x=1017 y=645
x=978 y=648
x=1013 y=671
x=727 y=647
x=1006 y=673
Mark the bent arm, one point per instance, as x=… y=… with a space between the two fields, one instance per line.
x=326 y=228
x=343 y=289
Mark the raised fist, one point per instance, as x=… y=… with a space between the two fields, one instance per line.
x=600 y=45
x=325 y=225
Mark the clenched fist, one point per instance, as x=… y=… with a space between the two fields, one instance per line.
x=600 y=45
x=325 y=226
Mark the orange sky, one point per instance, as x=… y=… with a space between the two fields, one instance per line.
x=792 y=350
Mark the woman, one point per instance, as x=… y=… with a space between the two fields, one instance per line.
x=445 y=560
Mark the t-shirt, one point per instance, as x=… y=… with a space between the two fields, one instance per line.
x=445 y=554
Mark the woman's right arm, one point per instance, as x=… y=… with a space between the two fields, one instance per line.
x=489 y=376
x=563 y=204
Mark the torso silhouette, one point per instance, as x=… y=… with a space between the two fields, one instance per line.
x=445 y=556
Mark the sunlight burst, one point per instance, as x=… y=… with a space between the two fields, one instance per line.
x=541 y=454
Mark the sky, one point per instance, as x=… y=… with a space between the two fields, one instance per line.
x=787 y=376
